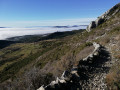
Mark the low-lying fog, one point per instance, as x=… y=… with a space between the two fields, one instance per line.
x=12 y=32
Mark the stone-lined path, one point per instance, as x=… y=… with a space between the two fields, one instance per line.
x=89 y=74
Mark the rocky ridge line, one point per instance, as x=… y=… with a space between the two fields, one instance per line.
x=107 y=15
x=87 y=75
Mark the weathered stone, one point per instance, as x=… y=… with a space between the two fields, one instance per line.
x=73 y=80
x=41 y=88
x=66 y=76
x=107 y=15
x=99 y=21
x=92 y=25
x=62 y=81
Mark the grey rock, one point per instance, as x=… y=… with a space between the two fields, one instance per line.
x=92 y=25
x=107 y=15
x=73 y=80
x=41 y=88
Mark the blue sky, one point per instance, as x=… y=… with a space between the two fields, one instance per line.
x=24 y=13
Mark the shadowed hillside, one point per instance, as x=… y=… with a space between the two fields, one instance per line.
x=36 y=38
x=4 y=43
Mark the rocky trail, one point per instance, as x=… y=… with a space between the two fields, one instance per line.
x=89 y=74
x=93 y=73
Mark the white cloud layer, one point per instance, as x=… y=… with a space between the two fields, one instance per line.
x=12 y=32
x=20 y=29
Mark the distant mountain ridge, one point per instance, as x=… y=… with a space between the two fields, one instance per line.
x=64 y=26
x=69 y=26
x=2 y=27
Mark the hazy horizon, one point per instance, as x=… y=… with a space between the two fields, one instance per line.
x=13 y=32
x=25 y=13
x=19 y=14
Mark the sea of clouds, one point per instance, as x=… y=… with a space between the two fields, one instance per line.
x=12 y=32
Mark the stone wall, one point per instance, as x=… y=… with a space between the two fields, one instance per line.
x=70 y=80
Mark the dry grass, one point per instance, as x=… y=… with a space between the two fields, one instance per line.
x=110 y=79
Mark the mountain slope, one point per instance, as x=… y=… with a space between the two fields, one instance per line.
x=106 y=32
x=106 y=16
x=5 y=43
x=36 y=38
x=38 y=63
x=88 y=74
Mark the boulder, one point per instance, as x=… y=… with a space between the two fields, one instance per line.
x=92 y=25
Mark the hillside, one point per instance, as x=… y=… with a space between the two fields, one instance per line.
x=34 y=64
x=97 y=72
x=5 y=43
x=36 y=38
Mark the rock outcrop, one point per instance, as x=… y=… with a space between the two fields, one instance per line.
x=79 y=77
x=107 y=15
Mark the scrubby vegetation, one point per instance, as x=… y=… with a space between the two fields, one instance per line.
x=15 y=57
x=37 y=60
